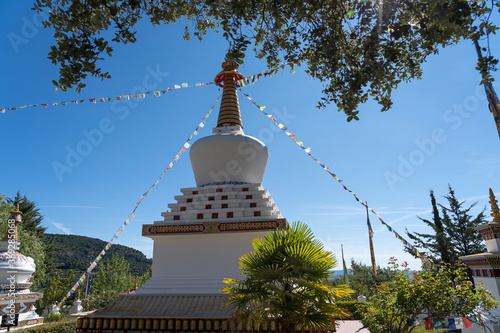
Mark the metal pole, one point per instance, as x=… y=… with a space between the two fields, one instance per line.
x=372 y=251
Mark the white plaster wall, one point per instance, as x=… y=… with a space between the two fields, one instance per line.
x=493 y=245
x=195 y=264
x=492 y=285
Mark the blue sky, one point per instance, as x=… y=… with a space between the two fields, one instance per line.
x=438 y=132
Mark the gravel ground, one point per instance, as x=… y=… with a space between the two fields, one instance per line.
x=351 y=326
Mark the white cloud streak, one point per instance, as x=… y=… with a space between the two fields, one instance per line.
x=61 y=226
x=86 y=207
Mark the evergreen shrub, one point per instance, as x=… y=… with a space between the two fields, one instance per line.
x=357 y=309
x=65 y=326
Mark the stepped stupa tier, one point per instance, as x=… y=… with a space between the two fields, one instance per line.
x=203 y=234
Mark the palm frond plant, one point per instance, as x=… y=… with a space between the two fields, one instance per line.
x=285 y=281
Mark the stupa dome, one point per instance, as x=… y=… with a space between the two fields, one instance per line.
x=14 y=267
x=22 y=265
x=228 y=156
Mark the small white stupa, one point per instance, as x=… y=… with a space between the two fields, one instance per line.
x=485 y=267
x=200 y=240
x=16 y=301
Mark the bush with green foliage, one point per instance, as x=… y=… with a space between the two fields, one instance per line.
x=96 y=301
x=52 y=317
x=356 y=308
x=113 y=278
x=65 y=326
x=434 y=293
x=361 y=279
x=56 y=290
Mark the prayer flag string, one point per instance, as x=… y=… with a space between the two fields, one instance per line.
x=184 y=147
x=307 y=150
x=452 y=323
x=157 y=93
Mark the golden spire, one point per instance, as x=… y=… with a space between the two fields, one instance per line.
x=11 y=232
x=495 y=211
x=229 y=113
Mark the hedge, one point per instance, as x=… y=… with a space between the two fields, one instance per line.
x=356 y=308
x=64 y=326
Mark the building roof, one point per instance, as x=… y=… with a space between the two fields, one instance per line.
x=166 y=306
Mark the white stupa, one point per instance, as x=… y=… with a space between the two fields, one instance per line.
x=485 y=267
x=16 y=300
x=200 y=240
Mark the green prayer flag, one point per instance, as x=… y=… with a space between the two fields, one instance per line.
x=346 y=275
x=437 y=323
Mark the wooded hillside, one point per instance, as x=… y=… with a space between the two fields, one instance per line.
x=77 y=252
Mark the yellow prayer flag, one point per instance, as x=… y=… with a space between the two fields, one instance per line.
x=281 y=125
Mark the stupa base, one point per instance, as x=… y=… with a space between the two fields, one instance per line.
x=168 y=313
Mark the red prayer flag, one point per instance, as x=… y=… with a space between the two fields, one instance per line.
x=467 y=323
x=428 y=324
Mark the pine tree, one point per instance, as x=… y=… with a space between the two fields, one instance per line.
x=5 y=209
x=453 y=233
x=32 y=219
x=460 y=226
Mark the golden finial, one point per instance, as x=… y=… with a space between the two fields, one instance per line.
x=495 y=211
x=16 y=210
x=15 y=216
x=229 y=113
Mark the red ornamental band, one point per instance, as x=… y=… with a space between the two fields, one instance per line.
x=248 y=226
x=490 y=232
x=154 y=229
x=490 y=272
x=175 y=229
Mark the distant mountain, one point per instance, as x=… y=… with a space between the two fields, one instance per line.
x=77 y=252
x=338 y=273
